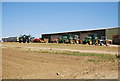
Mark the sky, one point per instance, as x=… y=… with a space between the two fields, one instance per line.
x=0 y=20
x=60 y=0
x=37 y=18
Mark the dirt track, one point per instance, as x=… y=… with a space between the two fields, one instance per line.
x=26 y=64
x=66 y=47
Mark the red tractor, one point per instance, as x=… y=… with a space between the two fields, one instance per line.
x=55 y=40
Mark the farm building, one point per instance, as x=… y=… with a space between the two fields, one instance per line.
x=9 y=39
x=14 y=39
x=112 y=34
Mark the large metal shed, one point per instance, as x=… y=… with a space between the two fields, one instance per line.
x=108 y=32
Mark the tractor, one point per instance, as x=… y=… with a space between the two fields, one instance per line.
x=68 y=39
x=65 y=39
x=103 y=41
x=91 y=39
x=54 y=40
x=76 y=39
x=24 y=38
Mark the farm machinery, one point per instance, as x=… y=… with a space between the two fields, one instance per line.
x=103 y=41
x=24 y=38
x=92 y=39
x=38 y=40
x=68 y=39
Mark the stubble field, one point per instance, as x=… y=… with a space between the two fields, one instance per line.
x=58 y=61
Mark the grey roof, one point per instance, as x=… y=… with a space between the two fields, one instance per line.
x=79 y=31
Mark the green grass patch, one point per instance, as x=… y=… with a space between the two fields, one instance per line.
x=92 y=60
x=100 y=57
x=75 y=53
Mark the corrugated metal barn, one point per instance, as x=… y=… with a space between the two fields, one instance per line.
x=9 y=39
x=112 y=34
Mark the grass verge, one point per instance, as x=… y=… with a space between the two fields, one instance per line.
x=100 y=57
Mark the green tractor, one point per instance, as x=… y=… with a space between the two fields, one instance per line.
x=63 y=39
x=91 y=39
x=24 y=38
x=68 y=39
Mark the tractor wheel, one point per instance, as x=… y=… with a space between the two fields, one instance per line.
x=90 y=42
x=28 y=41
x=71 y=41
x=19 y=41
x=24 y=41
x=96 y=42
x=106 y=44
x=101 y=44
x=83 y=42
x=77 y=41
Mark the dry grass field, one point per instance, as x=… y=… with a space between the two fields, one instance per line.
x=58 y=61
